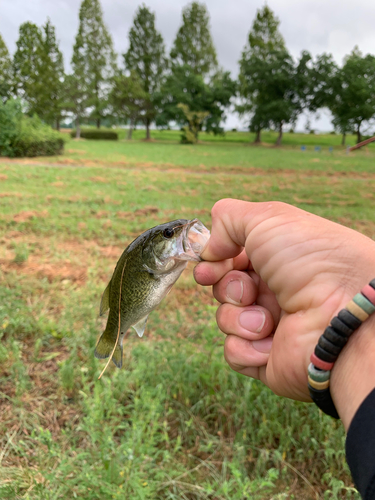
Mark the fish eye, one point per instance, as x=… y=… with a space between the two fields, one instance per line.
x=168 y=233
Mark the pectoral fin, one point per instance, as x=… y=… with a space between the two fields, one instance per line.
x=104 y=303
x=141 y=326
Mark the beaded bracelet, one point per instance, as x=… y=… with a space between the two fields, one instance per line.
x=331 y=343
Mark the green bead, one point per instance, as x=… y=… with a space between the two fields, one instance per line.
x=318 y=375
x=364 y=303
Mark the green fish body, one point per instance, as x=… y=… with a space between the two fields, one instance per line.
x=143 y=276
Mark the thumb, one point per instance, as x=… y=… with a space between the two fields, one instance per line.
x=234 y=221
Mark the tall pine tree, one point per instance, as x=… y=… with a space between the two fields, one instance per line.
x=39 y=70
x=266 y=74
x=193 y=46
x=146 y=56
x=94 y=60
x=5 y=72
x=51 y=77
x=26 y=65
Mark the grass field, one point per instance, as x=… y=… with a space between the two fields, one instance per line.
x=175 y=422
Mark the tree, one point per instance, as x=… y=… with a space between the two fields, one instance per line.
x=198 y=96
x=146 y=56
x=75 y=99
x=94 y=60
x=51 y=77
x=39 y=70
x=26 y=65
x=5 y=72
x=193 y=46
x=264 y=52
x=353 y=95
x=129 y=99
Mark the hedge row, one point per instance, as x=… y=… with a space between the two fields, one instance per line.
x=39 y=148
x=22 y=135
x=107 y=135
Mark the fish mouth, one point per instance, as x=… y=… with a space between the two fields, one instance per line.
x=195 y=237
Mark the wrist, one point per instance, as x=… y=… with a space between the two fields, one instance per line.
x=353 y=375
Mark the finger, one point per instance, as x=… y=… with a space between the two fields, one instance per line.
x=236 y=287
x=209 y=273
x=251 y=323
x=241 y=353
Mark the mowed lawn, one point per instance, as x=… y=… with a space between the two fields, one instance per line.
x=175 y=422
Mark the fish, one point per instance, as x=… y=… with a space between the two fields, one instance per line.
x=143 y=276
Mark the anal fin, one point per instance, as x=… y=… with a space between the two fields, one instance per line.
x=141 y=326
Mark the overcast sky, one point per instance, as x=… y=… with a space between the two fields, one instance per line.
x=334 y=26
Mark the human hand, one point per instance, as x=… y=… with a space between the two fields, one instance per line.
x=287 y=270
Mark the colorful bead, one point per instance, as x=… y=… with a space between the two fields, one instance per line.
x=318 y=385
x=364 y=303
x=372 y=283
x=339 y=326
x=324 y=355
x=318 y=375
x=349 y=319
x=319 y=363
x=335 y=337
x=329 y=346
x=356 y=310
x=369 y=293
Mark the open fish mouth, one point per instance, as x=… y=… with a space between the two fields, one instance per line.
x=195 y=236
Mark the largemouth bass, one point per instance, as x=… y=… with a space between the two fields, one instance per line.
x=144 y=274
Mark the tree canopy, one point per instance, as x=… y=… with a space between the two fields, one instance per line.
x=146 y=57
x=5 y=71
x=94 y=60
x=193 y=47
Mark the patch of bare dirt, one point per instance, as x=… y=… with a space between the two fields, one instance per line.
x=146 y=211
x=53 y=272
x=58 y=184
x=3 y=177
x=29 y=214
x=98 y=178
x=11 y=195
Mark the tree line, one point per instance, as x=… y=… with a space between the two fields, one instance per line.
x=188 y=86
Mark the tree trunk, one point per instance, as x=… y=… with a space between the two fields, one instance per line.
x=359 y=138
x=280 y=136
x=257 y=137
x=343 y=139
x=148 y=137
x=58 y=124
x=98 y=123
x=130 y=131
x=78 y=128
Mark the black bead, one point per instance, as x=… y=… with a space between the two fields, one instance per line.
x=328 y=346
x=334 y=337
x=372 y=283
x=349 y=319
x=341 y=327
x=323 y=400
x=324 y=355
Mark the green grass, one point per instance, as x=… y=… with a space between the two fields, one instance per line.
x=175 y=422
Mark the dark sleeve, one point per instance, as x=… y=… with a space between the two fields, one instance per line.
x=360 y=448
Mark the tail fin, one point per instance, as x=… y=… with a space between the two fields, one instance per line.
x=105 y=347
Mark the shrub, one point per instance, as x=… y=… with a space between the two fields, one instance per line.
x=37 y=139
x=10 y=125
x=25 y=136
x=98 y=134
